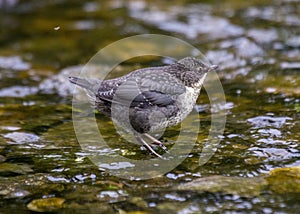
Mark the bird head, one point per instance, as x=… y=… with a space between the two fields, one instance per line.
x=197 y=65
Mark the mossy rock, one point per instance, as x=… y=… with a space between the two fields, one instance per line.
x=46 y=204
x=285 y=180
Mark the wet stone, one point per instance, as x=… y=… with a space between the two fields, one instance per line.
x=86 y=193
x=247 y=48
x=224 y=59
x=46 y=204
x=26 y=185
x=10 y=128
x=290 y=65
x=285 y=180
x=89 y=207
x=13 y=63
x=263 y=36
x=198 y=21
x=112 y=196
x=246 y=187
x=271 y=154
x=168 y=207
x=14 y=194
x=21 y=137
x=10 y=168
x=61 y=136
x=60 y=84
x=18 y=91
x=293 y=41
x=265 y=121
x=2 y=158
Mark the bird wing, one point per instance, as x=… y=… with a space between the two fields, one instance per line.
x=131 y=95
x=151 y=98
x=144 y=88
x=159 y=80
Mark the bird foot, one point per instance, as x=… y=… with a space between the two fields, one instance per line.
x=151 y=150
x=148 y=147
x=157 y=142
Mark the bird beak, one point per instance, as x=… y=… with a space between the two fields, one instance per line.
x=213 y=67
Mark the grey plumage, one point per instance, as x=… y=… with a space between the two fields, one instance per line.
x=154 y=98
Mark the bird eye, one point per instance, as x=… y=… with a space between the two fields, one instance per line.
x=199 y=69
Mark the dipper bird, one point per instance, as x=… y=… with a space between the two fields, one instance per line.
x=149 y=99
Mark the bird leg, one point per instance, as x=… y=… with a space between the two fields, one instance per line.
x=147 y=146
x=156 y=142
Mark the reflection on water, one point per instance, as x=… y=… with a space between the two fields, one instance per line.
x=256 y=45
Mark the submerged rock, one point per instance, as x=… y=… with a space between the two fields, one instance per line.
x=10 y=168
x=89 y=207
x=27 y=185
x=246 y=187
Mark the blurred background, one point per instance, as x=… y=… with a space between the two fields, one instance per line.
x=256 y=167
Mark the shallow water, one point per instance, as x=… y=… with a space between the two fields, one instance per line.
x=257 y=47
